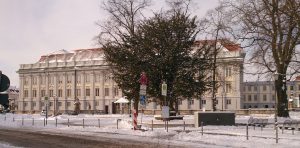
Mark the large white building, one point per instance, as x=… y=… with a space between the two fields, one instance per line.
x=83 y=74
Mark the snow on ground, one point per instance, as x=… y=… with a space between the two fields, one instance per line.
x=213 y=136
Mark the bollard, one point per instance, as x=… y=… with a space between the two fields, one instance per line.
x=151 y=125
x=183 y=125
x=282 y=128
x=293 y=131
x=254 y=126
x=13 y=119
x=99 y=123
x=32 y=121
x=276 y=124
x=82 y=123
x=117 y=123
x=247 y=133
x=202 y=128
x=22 y=121
x=167 y=126
x=5 y=118
x=44 y=122
x=55 y=122
x=261 y=126
x=68 y=123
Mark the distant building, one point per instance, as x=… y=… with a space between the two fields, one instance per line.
x=261 y=94
x=83 y=75
x=13 y=96
x=65 y=77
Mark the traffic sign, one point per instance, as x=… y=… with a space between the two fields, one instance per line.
x=143 y=89
x=4 y=82
x=164 y=89
x=165 y=112
x=143 y=100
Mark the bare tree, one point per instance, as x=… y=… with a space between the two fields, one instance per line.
x=124 y=17
x=272 y=30
x=217 y=28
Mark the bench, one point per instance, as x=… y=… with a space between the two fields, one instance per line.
x=290 y=125
x=260 y=122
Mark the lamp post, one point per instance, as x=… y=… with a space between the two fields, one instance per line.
x=276 y=123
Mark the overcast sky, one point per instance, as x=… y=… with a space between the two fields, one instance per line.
x=31 y=28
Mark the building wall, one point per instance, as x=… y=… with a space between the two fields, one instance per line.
x=84 y=75
x=261 y=94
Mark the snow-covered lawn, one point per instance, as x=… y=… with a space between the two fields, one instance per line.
x=213 y=136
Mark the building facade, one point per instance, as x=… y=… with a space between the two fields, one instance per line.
x=64 y=77
x=261 y=94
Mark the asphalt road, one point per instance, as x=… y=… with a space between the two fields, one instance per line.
x=37 y=139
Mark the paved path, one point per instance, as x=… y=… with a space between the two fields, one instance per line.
x=38 y=139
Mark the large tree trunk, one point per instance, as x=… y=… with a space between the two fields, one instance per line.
x=281 y=101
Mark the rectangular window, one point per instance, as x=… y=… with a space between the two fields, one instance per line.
x=228 y=88
x=291 y=87
x=191 y=101
x=59 y=104
x=265 y=97
x=273 y=97
x=34 y=93
x=42 y=104
x=264 y=88
x=116 y=91
x=50 y=103
x=33 y=104
x=97 y=92
x=106 y=91
x=179 y=102
x=255 y=97
x=298 y=87
x=96 y=103
x=249 y=98
x=228 y=71
x=25 y=104
x=51 y=93
x=68 y=92
x=228 y=101
x=87 y=92
x=43 y=93
x=255 y=88
x=68 y=103
x=203 y=101
x=25 y=93
x=60 y=92
x=249 y=88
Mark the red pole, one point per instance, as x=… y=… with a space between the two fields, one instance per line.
x=135 y=120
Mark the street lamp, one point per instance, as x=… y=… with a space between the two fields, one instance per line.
x=276 y=123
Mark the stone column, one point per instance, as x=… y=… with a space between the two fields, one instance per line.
x=21 y=94
x=30 y=94
x=38 y=92
x=101 y=91
x=82 y=92
x=92 y=91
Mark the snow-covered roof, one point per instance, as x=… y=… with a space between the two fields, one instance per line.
x=225 y=43
x=75 y=55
